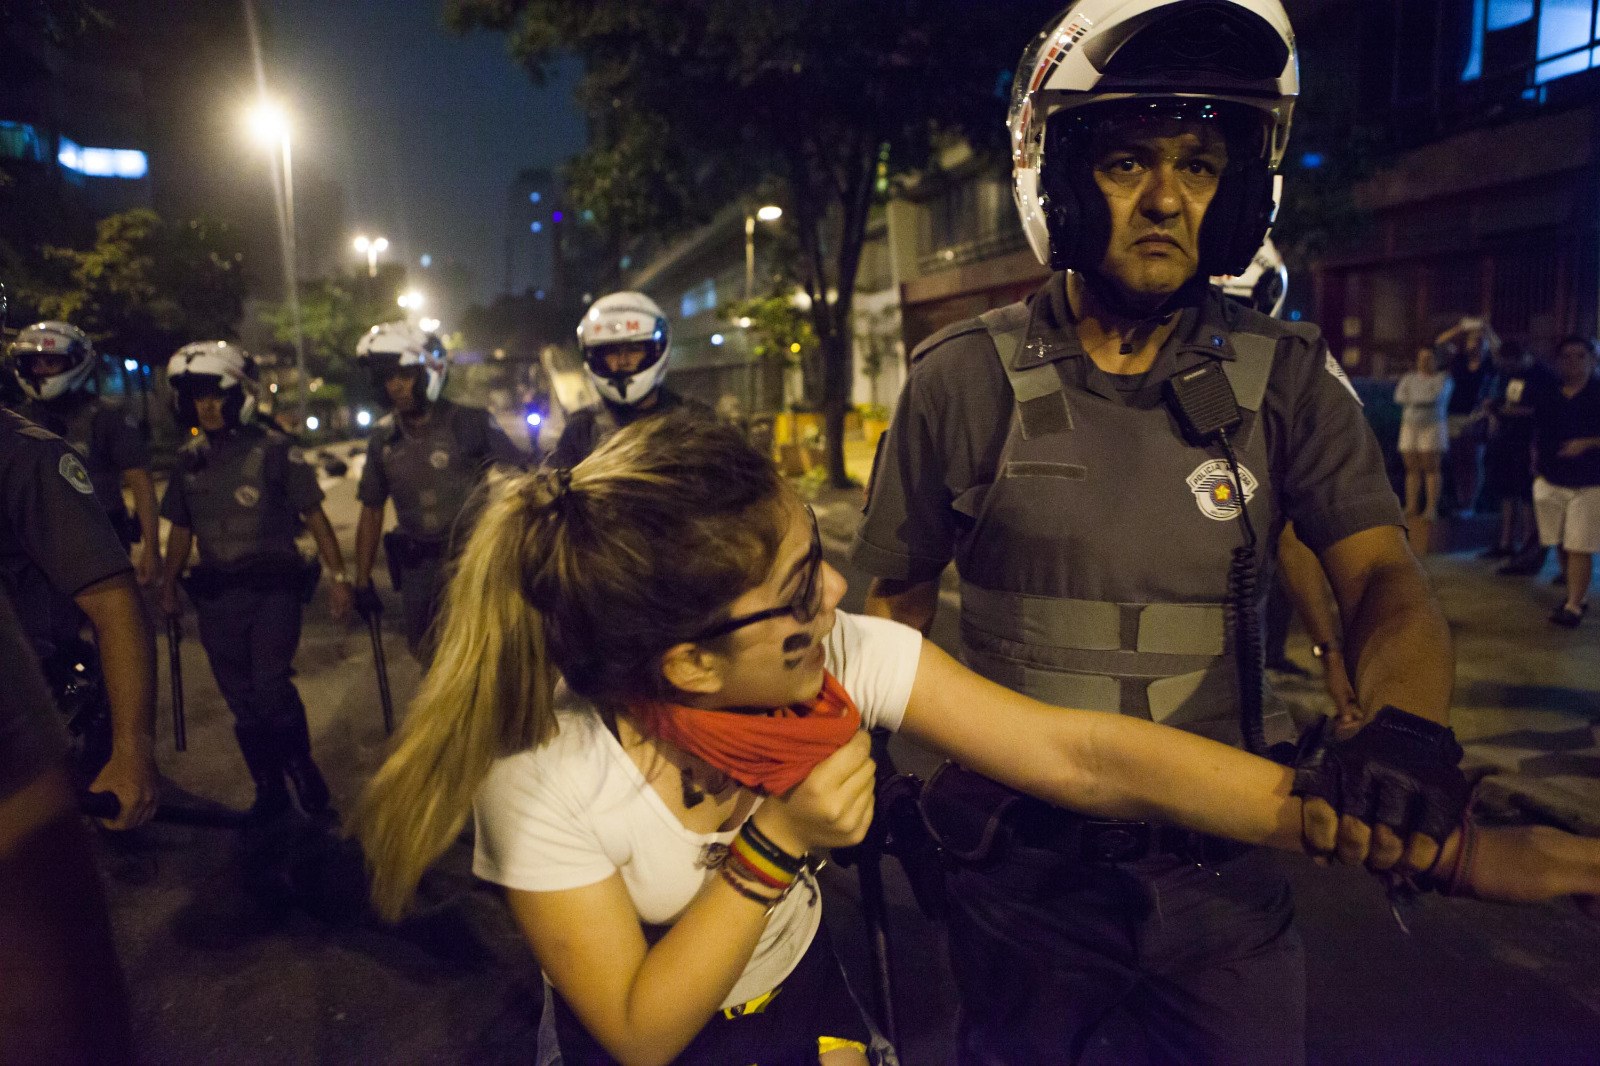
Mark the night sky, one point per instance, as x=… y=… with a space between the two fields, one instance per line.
x=423 y=128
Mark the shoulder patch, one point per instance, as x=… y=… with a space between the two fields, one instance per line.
x=70 y=467
x=1331 y=364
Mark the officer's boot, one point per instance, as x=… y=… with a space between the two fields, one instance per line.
x=309 y=787
x=261 y=750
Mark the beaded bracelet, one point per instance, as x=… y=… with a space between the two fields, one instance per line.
x=748 y=893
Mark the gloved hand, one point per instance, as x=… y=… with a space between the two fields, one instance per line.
x=1400 y=774
x=367 y=603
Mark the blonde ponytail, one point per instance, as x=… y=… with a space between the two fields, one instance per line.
x=487 y=694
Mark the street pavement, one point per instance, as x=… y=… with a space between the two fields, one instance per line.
x=224 y=972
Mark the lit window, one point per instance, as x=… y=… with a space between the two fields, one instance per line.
x=102 y=162
x=534 y=197
x=18 y=140
x=537 y=227
x=703 y=297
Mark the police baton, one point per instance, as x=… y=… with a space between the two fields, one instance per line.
x=867 y=858
x=180 y=737
x=375 y=627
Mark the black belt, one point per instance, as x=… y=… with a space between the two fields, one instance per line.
x=1099 y=840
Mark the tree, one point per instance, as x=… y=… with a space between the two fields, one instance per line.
x=693 y=102
x=334 y=313
x=146 y=287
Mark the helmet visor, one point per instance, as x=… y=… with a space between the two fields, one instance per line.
x=195 y=386
x=623 y=359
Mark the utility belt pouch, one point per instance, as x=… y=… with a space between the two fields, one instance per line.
x=396 y=546
x=966 y=813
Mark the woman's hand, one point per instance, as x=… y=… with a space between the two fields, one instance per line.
x=831 y=808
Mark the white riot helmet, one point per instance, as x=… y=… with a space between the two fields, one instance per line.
x=1231 y=62
x=1264 y=285
x=624 y=319
x=212 y=368
x=51 y=339
x=392 y=345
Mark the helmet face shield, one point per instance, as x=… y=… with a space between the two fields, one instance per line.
x=51 y=359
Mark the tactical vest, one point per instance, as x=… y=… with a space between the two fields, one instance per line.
x=431 y=473
x=1097 y=573
x=235 y=495
x=77 y=427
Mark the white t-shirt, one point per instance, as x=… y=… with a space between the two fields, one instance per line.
x=577 y=809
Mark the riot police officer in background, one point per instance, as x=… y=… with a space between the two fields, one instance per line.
x=60 y=562
x=625 y=343
x=242 y=491
x=430 y=455
x=55 y=363
x=1097 y=461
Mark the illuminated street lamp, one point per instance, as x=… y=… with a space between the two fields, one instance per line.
x=370 y=248
x=269 y=124
x=769 y=213
x=428 y=325
x=411 y=300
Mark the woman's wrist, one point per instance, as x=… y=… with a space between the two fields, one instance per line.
x=772 y=826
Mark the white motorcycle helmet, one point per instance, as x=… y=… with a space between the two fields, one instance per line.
x=624 y=319
x=1264 y=285
x=207 y=368
x=391 y=345
x=1232 y=62
x=51 y=339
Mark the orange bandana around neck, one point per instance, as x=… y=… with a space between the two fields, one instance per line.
x=768 y=753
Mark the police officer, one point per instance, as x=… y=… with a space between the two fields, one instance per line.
x=626 y=343
x=60 y=562
x=1098 y=460
x=243 y=491
x=54 y=364
x=430 y=456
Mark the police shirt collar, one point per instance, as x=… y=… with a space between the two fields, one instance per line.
x=1203 y=326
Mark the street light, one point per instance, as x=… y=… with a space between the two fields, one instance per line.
x=411 y=300
x=269 y=123
x=370 y=249
x=428 y=325
x=768 y=213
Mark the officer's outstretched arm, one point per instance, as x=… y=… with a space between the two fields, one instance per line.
x=127 y=659
x=369 y=531
x=62 y=998
x=913 y=603
x=1397 y=645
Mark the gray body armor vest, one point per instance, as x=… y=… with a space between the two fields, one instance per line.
x=236 y=499
x=433 y=473
x=1098 y=572
x=78 y=429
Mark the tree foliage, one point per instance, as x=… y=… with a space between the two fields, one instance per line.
x=334 y=313
x=147 y=287
x=693 y=102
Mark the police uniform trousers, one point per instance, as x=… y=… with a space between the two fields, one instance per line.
x=1046 y=950
x=421 y=596
x=250 y=635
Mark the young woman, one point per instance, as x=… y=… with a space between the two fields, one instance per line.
x=651 y=817
x=1424 y=396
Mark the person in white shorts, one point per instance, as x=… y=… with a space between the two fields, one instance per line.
x=1424 y=397
x=1566 y=494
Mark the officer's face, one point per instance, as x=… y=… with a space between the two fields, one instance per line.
x=623 y=358
x=1158 y=178
x=1574 y=364
x=401 y=386
x=41 y=365
x=208 y=409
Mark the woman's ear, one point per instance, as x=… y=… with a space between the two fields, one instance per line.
x=690 y=668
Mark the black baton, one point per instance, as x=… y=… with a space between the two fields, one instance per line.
x=375 y=627
x=180 y=737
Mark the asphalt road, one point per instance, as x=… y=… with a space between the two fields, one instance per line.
x=222 y=972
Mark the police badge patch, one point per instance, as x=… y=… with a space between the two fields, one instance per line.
x=439 y=459
x=71 y=469
x=247 y=495
x=1214 y=490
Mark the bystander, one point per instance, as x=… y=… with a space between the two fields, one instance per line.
x=1566 y=493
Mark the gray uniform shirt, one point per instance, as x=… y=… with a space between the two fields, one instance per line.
x=106 y=438
x=55 y=540
x=243 y=495
x=31 y=740
x=954 y=414
x=432 y=472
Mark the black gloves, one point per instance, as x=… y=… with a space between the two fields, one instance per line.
x=367 y=603
x=1399 y=770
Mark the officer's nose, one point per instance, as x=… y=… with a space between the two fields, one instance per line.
x=1161 y=198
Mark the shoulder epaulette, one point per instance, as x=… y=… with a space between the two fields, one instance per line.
x=950 y=332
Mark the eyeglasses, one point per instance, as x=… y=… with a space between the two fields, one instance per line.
x=802 y=607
